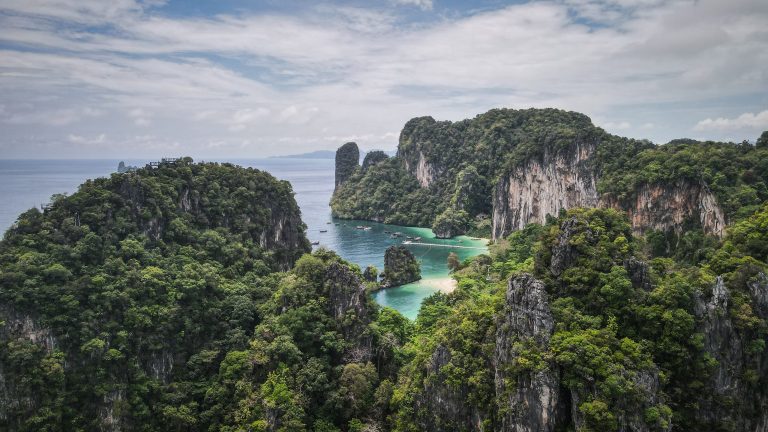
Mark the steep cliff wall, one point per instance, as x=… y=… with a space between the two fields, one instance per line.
x=347 y=161
x=531 y=401
x=667 y=207
x=736 y=396
x=542 y=187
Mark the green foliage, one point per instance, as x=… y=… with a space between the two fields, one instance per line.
x=451 y=222
x=762 y=141
x=400 y=266
x=612 y=335
x=147 y=287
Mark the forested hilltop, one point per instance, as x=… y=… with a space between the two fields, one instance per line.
x=498 y=172
x=182 y=297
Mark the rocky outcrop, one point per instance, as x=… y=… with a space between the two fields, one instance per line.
x=732 y=400
x=441 y=407
x=347 y=303
x=371 y=274
x=639 y=273
x=373 y=157
x=274 y=221
x=17 y=396
x=400 y=267
x=532 y=400
x=347 y=161
x=667 y=207
x=542 y=187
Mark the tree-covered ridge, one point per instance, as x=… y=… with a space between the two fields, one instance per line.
x=437 y=163
x=635 y=342
x=113 y=296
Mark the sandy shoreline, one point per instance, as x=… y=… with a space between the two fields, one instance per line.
x=446 y=284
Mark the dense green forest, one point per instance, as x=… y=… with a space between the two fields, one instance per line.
x=183 y=297
x=620 y=317
x=445 y=174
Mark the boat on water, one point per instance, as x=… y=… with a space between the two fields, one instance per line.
x=323 y=231
x=393 y=236
x=367 y=228
x=315 y=243
x=387 y=232
x=417 y=239
x=408 y=238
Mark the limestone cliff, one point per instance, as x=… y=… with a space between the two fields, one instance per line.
x=347 y=161
x=530 y=164
x=736 y=397
x=543 y=186
x=373 y=158
x=532 y=401
x=558 y=181
x=667 y=207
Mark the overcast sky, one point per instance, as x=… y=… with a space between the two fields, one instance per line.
x=237 y=78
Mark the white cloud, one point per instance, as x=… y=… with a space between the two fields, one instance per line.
x=752 y=121
x=360 y=72
x=244 y=118
x=80 y=139
x=421 y=4
x=140 y=117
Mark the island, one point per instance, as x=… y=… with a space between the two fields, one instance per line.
x=400 y=267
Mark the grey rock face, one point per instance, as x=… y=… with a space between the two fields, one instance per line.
x=567 y=179
x=639 y=273
x=347 y=161
x=731 y=401
x=563 y=254
x=444 y=408
x=541 y=187
x=666 y=207
x=532 y=400
x=16 y=395
x=347 y=304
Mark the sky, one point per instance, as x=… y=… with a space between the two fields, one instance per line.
x=248 y=79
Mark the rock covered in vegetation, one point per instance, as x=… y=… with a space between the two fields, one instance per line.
x=532 y=394
x=347 y=161
x=736 y=397
x=400 y=267
x=110 y=292
x=372 y=158
x=371 y=274
x=526 y=165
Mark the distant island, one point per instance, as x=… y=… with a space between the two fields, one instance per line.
x=322 y=154
x=122 y=168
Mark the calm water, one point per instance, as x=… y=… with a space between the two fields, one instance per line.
x=25 y=184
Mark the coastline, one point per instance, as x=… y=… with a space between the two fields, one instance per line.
x=445 y=285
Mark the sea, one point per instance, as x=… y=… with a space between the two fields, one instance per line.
x=31 y=183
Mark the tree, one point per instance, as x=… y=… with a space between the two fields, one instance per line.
x=762 y=142
x=453 y=261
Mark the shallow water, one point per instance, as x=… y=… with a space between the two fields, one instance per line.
x=29 y=183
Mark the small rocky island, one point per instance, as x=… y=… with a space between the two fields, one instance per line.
x=347 y=161
x=123 y=168
x=400 y=267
